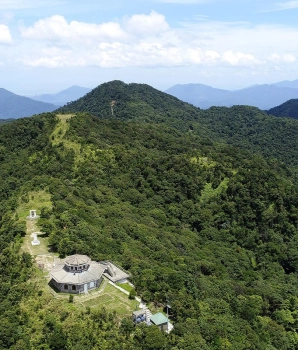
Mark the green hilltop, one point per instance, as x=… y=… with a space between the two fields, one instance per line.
x=287 y=109
x=244 y=127
x=159 y=187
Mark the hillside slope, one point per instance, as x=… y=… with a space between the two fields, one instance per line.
x=246 y=127
x=287 y=109
x=142 y=102
x=205 y=225
x=15 y=106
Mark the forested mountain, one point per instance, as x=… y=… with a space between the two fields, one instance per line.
x=15 y=106
x=64 y=96
x=246 y=127
x=263 y=96
x=153 y=185
x=287 y=109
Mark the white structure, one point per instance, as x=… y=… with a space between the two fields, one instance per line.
x=35 y=240
x=113 y=272
x=76 y=274
x=32 y=215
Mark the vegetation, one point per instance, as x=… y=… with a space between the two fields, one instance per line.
x=209 y=227
x=287 y=109
x=241 y=126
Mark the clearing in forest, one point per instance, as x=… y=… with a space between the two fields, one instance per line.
x=112 y=299
x=106 y=295
x=35 y=200
x=58 y=135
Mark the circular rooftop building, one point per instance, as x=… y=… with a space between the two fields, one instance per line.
x=77 y=274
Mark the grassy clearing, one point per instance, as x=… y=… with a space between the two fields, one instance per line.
x=125 y=286
x=208 y=192
x=37 y=249
x=106 y=296
x=205 y=161
x=34 y=200
x=61 y=128
x=113 y=300
x=58 y=135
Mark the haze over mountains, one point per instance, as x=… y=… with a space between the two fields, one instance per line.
x=64 y=96
x=16 y=106
x=262 y=96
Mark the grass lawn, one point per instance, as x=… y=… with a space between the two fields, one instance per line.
x=113 y=300
x=125 y=286
x=36 y=200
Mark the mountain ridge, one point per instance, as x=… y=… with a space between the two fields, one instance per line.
x=208 y=227
x=241 y=126
x=264 y=96
x=13 y=106
x=286 y=109
x=63 y=97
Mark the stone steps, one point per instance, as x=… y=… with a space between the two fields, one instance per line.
x=148 y=314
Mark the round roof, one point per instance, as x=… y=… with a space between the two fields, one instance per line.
x=60 y=275
x=77 y=259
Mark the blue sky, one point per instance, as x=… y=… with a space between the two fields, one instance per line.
x=47 y=46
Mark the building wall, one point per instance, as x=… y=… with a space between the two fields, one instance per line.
x=78 y=288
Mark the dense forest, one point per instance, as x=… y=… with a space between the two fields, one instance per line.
x=158 y=187
x=287 y=109
x=244 y=127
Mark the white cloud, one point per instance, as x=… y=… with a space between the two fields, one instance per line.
x=288 y=5
x=285 y=58
x=239 y=58
x=56 y=28
x=153 y=24
x=149 y=41
x=5 y=36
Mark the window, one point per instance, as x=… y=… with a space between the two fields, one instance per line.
x=73 y=288
x=66 y=286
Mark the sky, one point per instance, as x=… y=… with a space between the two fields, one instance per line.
x=49 y=45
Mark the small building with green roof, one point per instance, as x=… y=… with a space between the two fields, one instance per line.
x=160 y=320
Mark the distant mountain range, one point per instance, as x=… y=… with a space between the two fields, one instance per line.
x=13 y=106
x=16 y=106
x=63 y=97
x=262 y=96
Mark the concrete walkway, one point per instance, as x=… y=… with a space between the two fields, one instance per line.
x=125 y=291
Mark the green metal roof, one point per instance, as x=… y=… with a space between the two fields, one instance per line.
x=158 y=319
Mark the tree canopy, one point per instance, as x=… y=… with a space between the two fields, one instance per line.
x=211 y=227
